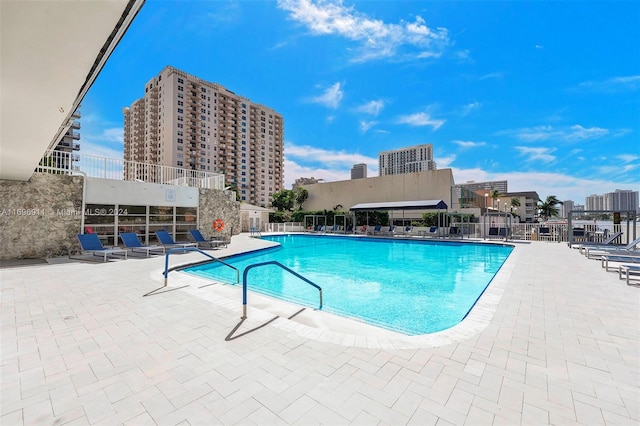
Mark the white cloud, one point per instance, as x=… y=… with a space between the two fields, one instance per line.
x=371 y=107
x=470 y=107
x=492 y=75
x=469 y=144
x=330 y=165
x=563 y=186
x=421 y=119
x=445 y=162
x=536 y=154
x=615 y=84
x=366 y=125
x=376 y=38
x=331 y=97
x=573 y=133
x=628 y=158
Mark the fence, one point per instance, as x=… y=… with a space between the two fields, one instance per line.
x=552 y=232
x=60 y=162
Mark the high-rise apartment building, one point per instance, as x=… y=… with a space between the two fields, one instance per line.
x=69 y=144
x=184 y=121
x=619 y=200
x=406 y=160
x=359 y=171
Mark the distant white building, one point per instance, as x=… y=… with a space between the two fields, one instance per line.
x=413 y=159
x=619 y=200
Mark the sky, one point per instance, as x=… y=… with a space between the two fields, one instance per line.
x=543 y=94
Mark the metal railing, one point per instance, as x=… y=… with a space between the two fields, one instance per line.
x=272 y=262
x=183 y=249
x=60 y=162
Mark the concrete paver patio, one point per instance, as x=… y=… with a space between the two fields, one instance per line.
x=556 y=341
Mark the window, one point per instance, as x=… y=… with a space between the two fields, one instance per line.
x=179 y=163
x=179 y=140
x=181 y=81
x=180 y=88
x=180 y=110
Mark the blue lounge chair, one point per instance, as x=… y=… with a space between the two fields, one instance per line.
x=166 y=240
x=432 y=232
x=132 y=241
x=203 y=242
x=91 y=243
x=390 y=231
x=334 y=228
x=376 y=230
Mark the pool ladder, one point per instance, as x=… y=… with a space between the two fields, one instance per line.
x=244 y=275
x=255 y=233
x=272 y=262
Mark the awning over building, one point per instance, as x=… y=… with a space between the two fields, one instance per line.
x=402 y=205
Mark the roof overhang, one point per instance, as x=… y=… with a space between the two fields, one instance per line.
x=402 y=205
x=51 y=53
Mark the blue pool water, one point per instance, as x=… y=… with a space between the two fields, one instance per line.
x=413 y=287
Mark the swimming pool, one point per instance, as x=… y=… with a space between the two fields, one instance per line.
x=412 y=287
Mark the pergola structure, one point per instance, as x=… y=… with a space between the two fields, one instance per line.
x=438 y=205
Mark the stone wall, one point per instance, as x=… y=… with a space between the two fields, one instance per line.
x=41 y=217
x=215 y=204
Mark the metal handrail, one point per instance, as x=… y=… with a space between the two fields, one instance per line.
x=272 y=262
x=183 y=249
x=255 y=233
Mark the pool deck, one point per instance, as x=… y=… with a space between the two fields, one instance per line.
x=554 y=340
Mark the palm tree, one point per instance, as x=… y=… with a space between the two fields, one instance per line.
x=547 y=208
x=494 y=194
x=515 y=202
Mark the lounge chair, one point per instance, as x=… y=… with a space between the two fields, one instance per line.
x=376 y=230
x=432 y=232
x=454 y=232
x=203 y=242
x=132 y=242
x=621 y=258
x=493 y=232
x=334 y=228
x=364 y=229
x=166 y=240
x=91 y=243
x=544 y=233
x=628 y=270
x=390 y=231
x=607 y=246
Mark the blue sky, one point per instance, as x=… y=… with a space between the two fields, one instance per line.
x=543 y=94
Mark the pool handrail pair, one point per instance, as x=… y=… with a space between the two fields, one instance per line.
x=244 y=275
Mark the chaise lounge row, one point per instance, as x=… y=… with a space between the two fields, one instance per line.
x=90 y=243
